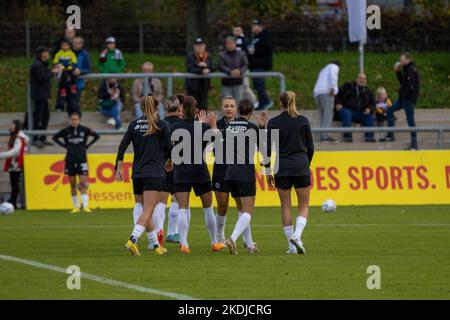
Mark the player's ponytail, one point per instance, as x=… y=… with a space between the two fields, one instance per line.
x=149 y=106
x=287 y=100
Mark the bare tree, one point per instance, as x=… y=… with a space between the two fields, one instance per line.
x=197 y=21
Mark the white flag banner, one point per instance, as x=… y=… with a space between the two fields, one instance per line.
x=357 y=29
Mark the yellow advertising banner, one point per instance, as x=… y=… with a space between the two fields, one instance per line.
x=349 y=178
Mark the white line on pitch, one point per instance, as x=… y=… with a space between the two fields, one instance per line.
x=99 y=279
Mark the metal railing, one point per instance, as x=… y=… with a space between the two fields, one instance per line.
x=169 y=77
x=438 y=130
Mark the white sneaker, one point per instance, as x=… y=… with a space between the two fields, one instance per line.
x=291 y=250
x=111 y=122
x=298 y=245
x=253 y=248
x=121 y=129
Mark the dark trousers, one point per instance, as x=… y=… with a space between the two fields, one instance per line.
x=260 y=87
x=14 y=179
x=348 y=116
x=41 y=115
x=201 y=95
x=409 y=108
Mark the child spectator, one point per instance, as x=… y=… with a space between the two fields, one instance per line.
x=67 y=81
x=382 y=104
x=111 y=59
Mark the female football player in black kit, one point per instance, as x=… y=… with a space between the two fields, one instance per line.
x=193 y=173
x=240 y=171
x=174 y=114
x=75 y=140
x=152 y=146
x=296 y=150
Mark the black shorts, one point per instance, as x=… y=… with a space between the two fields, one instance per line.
x=297 y=182
x=76 y=168
x=219 y=184
x=241 y=189
x=199 y=187
x=168 y=184
x=147 y=184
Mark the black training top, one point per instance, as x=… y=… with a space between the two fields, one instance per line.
x=75 y=141
x=220 y=168
x=150 y=152
x=241 y=168
x=187 y=171
x=295 y=144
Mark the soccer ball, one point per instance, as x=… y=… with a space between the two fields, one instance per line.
x=6 y=208
x=329 y=206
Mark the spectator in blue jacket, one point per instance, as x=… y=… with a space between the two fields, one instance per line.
x=84 y=67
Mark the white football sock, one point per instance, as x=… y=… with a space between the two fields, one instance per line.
x=188 y=215
x=172 y=225
x=75 y=202
x=210 y=222
x=159 y=215
x=85 y=200
x=220 y=222
x=137 y=233
x=137 y=211
x=243 y=234
x=183 y=226
x=299 y=226
x=288 y=232
x=247 y=236
x=242 y=223
x=153 y=239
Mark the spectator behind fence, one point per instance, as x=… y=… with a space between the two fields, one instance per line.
x=69 y=35
x=83 y=67
x=241 y=45
x=355 y=103
x=17 y=146
x=383 y=103
x=260 y=60
x=111 y=59
x=111 y=97
x=325 y=90
x=40 y=83
x=199 y=62
x=233 y=63
x=407 y=98
x=67 y=78
x=137 y=90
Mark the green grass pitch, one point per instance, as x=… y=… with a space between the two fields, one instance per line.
x=409 y=244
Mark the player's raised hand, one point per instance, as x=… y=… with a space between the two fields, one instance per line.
x=262 y=119
x=202 y=116
x=212 y=120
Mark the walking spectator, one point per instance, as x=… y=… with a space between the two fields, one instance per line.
x=17 y=146
x=260 y=60
x=40 y=83
x=355 y=103
x=138 y=90
x=67 y=80
x=233 y=63
x=241 y=45
x=325 y=90
x=83 y=67
x=383 y=103
x=111 y=97
x=199 y=62
x=408 y=76
x=111 y=59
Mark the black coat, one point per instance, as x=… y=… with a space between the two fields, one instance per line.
x=196 y=85
x=409 y=83
x=40 y=80
x=262 y=58
x=355 y=98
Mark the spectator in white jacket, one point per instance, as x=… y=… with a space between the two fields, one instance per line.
x=17 y=147
x=325 y=90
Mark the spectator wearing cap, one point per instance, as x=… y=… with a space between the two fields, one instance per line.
x=233 y=63
x=199 y=62
x=241 y=44
x=138 y=90
x=83 y=67
x=260 y=60
x=111 y=59
x=40 y=84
